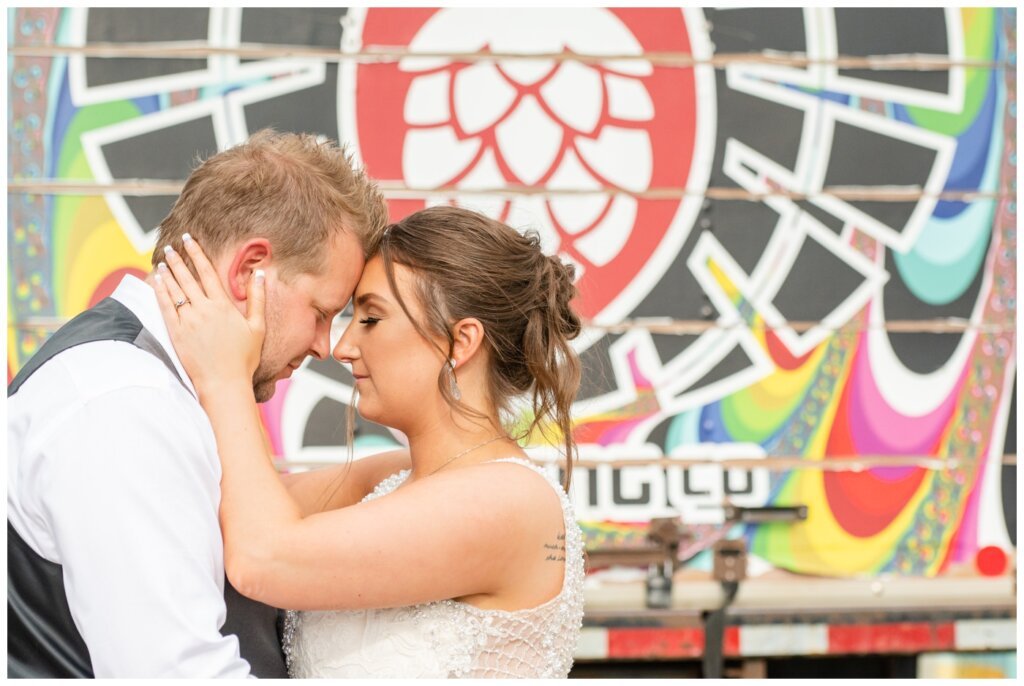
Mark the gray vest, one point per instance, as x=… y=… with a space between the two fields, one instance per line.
x=42 y=640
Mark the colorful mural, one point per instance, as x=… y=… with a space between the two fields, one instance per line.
x=687 y=184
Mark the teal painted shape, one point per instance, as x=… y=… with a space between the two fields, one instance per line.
x=373 y=441
x=948 y=253
x=683 y=430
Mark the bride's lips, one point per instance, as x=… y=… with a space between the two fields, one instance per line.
x=360 y=377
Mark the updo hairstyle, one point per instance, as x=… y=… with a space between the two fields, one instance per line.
x=465 y=264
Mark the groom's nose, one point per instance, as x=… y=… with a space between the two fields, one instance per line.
x=321 y=346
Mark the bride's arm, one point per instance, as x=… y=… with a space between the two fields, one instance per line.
x=329 y=488
x=453 y=534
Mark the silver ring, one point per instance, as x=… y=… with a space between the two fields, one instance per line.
x=183 y=301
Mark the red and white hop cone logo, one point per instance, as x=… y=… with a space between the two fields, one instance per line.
x=563 y=125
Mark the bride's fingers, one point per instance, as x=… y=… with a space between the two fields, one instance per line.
x=171 y=286
x=164 y=299
x=256 y=301
x=207 y=276
x=187 y=282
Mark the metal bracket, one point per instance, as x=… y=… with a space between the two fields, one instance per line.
x=763 y=515
x=730 y=560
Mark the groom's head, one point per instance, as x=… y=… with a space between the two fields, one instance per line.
x=294 y=206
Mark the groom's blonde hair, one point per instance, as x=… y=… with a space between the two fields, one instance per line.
x=295 y=189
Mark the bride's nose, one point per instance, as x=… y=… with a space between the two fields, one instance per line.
x=344 y=351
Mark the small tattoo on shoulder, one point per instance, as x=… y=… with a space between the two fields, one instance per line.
x=558 y=548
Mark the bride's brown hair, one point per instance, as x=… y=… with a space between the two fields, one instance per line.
x=468 y=265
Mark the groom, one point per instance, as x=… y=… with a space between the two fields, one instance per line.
x=114 y=552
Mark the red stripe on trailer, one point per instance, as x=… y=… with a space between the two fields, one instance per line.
x=731 y=641
x=653 y=642
x=843 y=639
x=899 y=637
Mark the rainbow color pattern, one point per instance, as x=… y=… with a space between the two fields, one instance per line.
x=848 y=396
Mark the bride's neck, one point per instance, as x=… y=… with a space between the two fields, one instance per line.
x=450 y=444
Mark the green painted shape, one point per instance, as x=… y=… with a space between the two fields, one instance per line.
x=979 y=44
x=773 y=542
x=72 y=165
x=750 y=422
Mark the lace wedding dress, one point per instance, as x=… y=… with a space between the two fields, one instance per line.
x=445 y=638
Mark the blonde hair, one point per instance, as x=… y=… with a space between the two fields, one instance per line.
x=294 y=189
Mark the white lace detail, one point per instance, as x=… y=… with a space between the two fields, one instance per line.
x=445 y=638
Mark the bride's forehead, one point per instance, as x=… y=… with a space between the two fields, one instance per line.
x=374 y=287
x=375 y=277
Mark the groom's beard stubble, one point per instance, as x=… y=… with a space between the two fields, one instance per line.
x=263 y=387
x=264 y=379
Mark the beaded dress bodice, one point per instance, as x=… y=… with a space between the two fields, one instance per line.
x=445 y=638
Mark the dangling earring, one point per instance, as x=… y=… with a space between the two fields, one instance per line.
x=453 y=384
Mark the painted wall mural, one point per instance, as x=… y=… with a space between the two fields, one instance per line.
x=686 y=192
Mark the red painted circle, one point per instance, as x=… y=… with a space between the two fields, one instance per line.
x=991 y=561
x=382 y=130
x=109 y=283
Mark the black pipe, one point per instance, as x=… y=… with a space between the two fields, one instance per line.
x=714 y=633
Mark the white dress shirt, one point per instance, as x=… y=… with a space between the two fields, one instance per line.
x=113 y=474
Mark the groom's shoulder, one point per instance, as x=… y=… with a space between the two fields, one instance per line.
x=100 y=367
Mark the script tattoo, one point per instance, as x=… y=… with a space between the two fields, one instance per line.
x=557 y=549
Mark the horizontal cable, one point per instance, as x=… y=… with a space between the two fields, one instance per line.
x=838 y=463
x=146 y=187
x=681 y=327
x=685 y=327
x=202 y=50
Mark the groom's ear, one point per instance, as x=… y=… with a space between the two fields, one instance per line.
x=469 y=336
x=254 y=254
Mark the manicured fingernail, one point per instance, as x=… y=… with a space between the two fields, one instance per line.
x=258 y=275
x=185 y=237
x=162 y=267
x=158 y=277
x=168 y=250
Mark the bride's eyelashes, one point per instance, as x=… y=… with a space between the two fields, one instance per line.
x=369 y=321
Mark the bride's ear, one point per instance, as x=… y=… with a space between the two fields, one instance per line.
x=252 y=255
x=469 y=336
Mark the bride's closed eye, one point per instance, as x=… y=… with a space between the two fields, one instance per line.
x=369 y=321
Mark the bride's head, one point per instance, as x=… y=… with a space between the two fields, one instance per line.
x=456 y=311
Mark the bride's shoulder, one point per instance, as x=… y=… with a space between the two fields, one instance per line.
x=375 y=468
x=514 y=484
x=392 y=458
x=521 y=469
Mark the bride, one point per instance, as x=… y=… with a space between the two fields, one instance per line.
x=456 y=557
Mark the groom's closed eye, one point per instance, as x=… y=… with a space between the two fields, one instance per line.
x=328 y=313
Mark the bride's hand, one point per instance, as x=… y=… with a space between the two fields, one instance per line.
x=214 y=341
